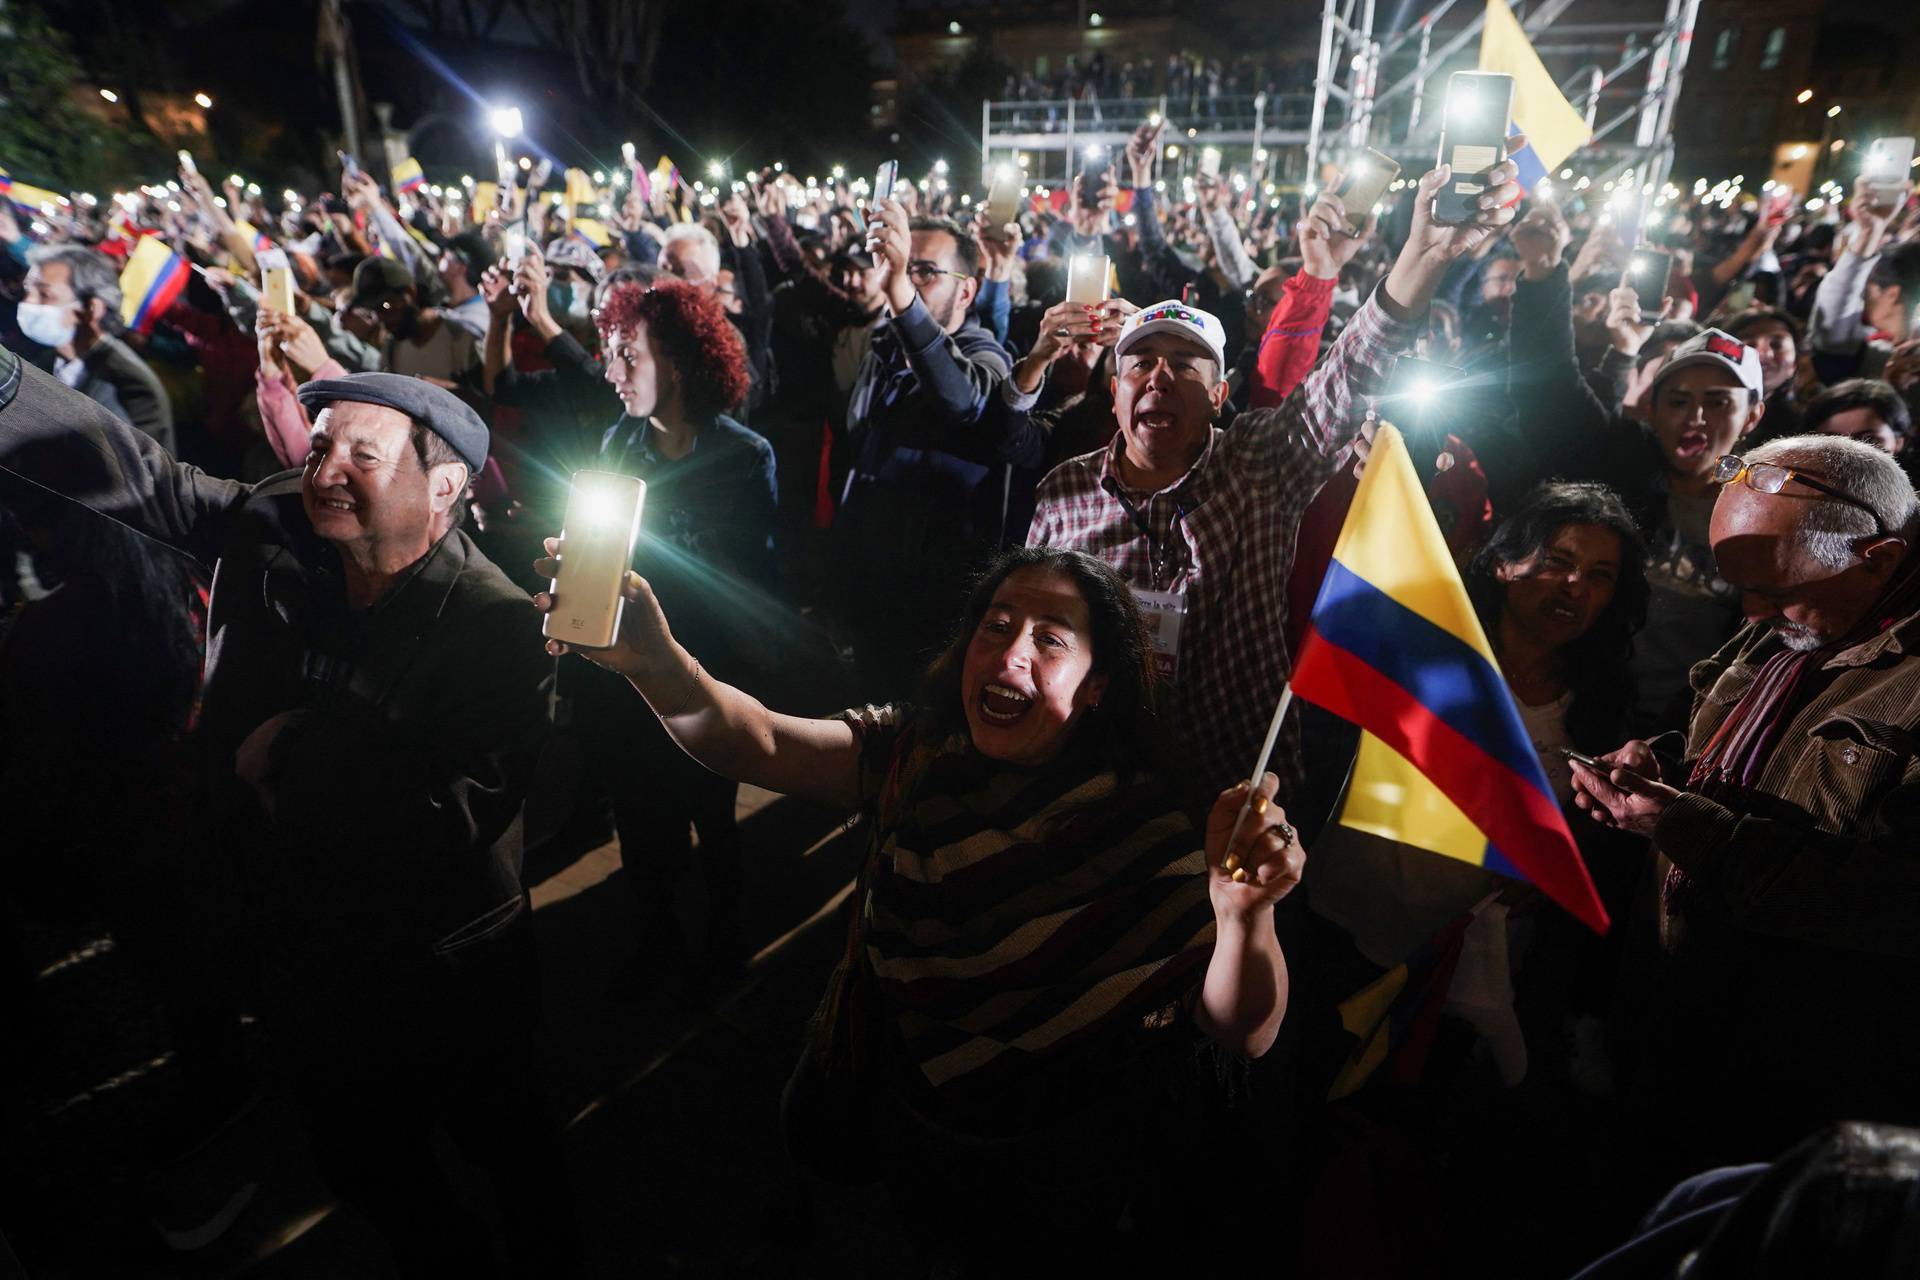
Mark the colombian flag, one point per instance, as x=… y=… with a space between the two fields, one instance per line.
x=1554 y=129
x=152 y=280
x=667 y=174
x=407 y=176
x=580 y=189
x=255 y=236
x=592 y=233
x=1394 y=646
x=30 y=198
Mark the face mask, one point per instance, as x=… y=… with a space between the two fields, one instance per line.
x=582 y=305
x=47 y=324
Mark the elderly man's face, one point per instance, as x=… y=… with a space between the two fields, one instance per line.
x=1808 y=603
x=692 y=262
x=363 y=483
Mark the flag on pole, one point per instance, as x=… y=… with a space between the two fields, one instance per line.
x=150 y=283
x=408 y=176
x=1393 y=645
x=30 y=198
x=1554 y=129
x=667 y=174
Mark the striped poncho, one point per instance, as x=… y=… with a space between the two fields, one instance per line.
x=1014 y=914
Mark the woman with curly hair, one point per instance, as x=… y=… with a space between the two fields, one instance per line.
x=678 y=366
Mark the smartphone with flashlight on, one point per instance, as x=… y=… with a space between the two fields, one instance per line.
x=1210 y=162
x=883 y=180
x=1888 y=163
x=515 y=243
x=1088 y=275
x=1093 y=178
x=1362 y=185
x=602 y=524
x=1473 y=139
x=186 y=161
x=1003 y=202
x=1647 y=272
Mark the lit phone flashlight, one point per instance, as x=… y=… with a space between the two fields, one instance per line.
x=602 y=523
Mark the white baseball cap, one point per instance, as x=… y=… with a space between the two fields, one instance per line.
x=1721 y=350
x=1181 y=320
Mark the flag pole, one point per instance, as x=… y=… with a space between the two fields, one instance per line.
x=1232 y=863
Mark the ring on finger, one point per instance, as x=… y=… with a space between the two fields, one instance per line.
x=1287 y=834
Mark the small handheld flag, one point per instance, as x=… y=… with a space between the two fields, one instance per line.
x=1554 y=129
x=408 y=176
x=1395 y=647
x=150 y=284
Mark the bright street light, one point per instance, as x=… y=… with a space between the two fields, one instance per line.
x=507 y=121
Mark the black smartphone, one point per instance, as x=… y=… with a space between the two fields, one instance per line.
x=1586 y=760
x=1473 y=139
x=1647 y=272
x=1093 y=176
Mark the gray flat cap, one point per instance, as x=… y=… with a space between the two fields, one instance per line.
x=439 y=411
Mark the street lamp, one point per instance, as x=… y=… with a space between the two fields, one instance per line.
x=507 y=121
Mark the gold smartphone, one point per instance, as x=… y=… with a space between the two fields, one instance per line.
x=276 y=281
x=1003 y=201
x=603 y=521
x=1361 y=186
x=1087 y=278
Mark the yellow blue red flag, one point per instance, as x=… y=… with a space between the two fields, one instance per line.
x=408 y=177
x=152 y=280
x=1554 y=129
x=1394 y=646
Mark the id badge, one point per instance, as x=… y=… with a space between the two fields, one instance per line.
x=1166 y=613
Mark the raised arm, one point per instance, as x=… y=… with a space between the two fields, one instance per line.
x=56 y=440
x=726 y=729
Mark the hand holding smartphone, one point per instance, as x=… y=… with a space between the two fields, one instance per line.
x=1088 y=275
x=1003 y=202
x=1647 y=272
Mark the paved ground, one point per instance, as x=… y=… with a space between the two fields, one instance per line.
x=672 y=1116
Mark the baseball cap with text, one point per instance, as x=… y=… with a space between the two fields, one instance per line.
x=1175 y=317
x=1721 y=350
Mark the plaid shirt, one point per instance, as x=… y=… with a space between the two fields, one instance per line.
x=1230 y=523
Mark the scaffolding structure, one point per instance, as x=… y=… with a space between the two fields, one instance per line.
x=1375 y=89
x=1351 y=110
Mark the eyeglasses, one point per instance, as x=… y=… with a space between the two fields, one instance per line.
x=1766 y=477
x=920 y=271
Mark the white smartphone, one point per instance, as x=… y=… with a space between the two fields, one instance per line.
x=1087 y=278
x=1003 y=201
x=514 y=242
x=1888 y=164
x=1210 y=162
x=602 y=523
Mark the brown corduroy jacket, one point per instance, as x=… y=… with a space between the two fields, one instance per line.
x=1825 y=848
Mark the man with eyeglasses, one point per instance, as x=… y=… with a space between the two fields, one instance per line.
x=1788 y=837
x=936 y=453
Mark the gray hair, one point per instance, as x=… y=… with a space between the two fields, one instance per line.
x=1830 y=528
x=94 y=275
x=702 y=240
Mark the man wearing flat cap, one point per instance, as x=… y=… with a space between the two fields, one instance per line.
x=373 y=705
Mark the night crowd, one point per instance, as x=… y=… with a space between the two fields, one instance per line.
x=1016 y=580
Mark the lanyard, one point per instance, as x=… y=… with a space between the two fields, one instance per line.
x=1160 y=554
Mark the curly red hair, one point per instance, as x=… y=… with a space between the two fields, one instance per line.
x=692 y=333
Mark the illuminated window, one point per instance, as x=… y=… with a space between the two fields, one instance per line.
x=1776 y=46
x=1723 y=48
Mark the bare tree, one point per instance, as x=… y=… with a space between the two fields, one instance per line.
x=612 y=43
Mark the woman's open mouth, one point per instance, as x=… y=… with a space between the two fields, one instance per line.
x=1691 y=444
x=1001 y=705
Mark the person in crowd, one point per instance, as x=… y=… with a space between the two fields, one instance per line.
x=1863 y=409
x=734 y=275
x=574 y=271
x=678 y=366
x=1776 y=336
x=1704 y=398
x=71 y=308
x=463 y=263
x=1864 y=306
x=1785 y=833
x=932 y=443
x=1174 y=500
x=413 y=340
x=1026 y=794
x=368 y=724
